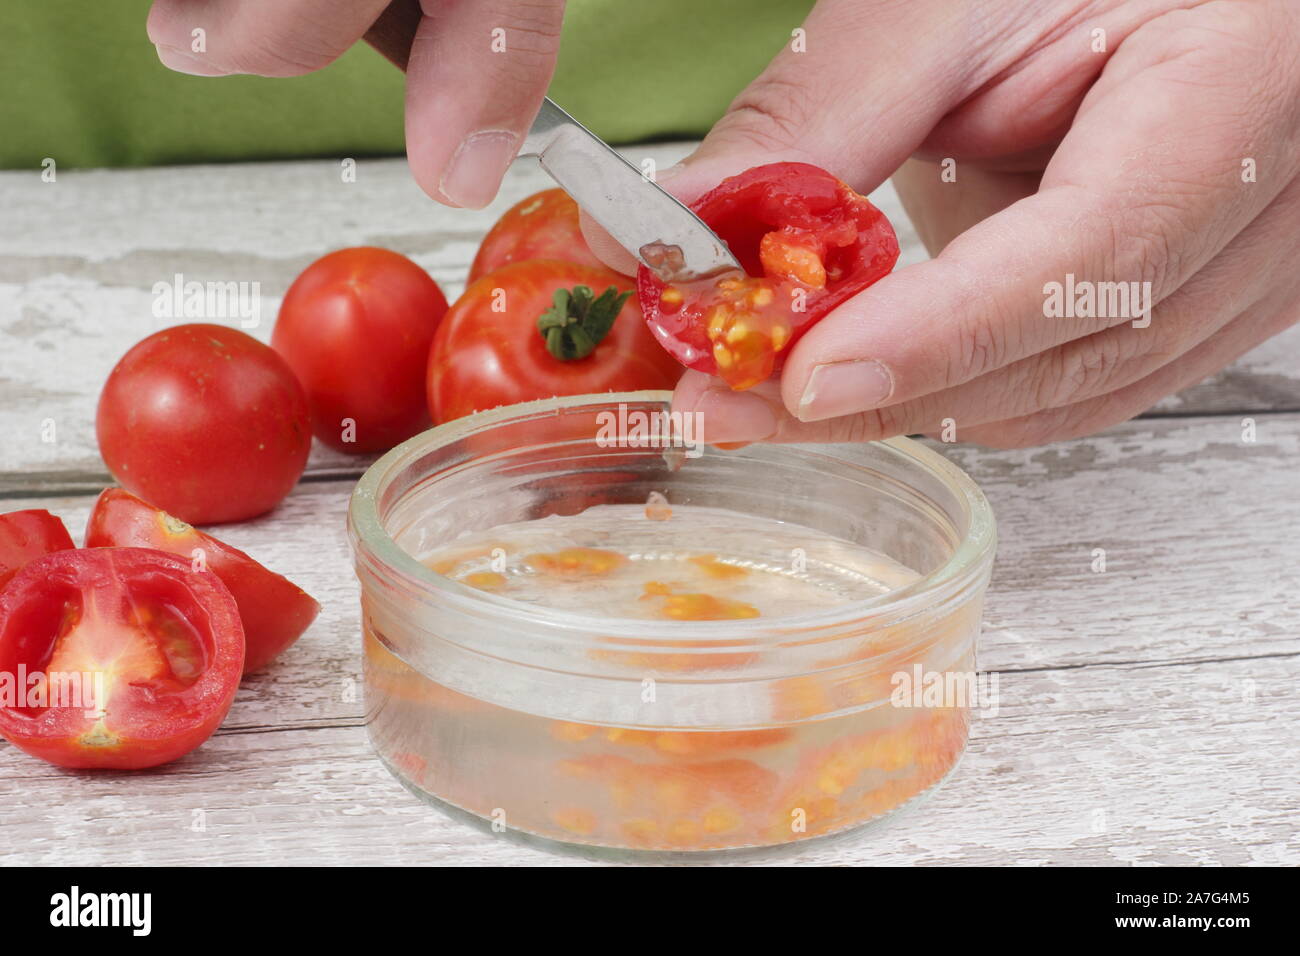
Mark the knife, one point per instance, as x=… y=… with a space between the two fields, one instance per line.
x=653 y=225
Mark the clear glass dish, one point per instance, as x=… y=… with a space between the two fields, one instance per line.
x=633 y=730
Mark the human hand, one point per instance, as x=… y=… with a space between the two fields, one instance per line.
x=476 y=77
x=1163 y=151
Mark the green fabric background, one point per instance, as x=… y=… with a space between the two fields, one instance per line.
x=80 y=82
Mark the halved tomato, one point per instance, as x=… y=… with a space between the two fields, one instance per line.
x=27 y=535
x=275 y=611
x=807 y=243
x=116 y=657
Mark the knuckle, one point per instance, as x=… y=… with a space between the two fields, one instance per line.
x=1144 y=248
x=774 y=112
x=865 y=426
x=885 y=422
x=1081 y=369
x=533 y=28
x=978 y=346
x=281 y=56
x=1240 y=63
x=1064 y=423
x=1037 y=429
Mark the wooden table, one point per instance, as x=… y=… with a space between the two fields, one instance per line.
x=1148 y=714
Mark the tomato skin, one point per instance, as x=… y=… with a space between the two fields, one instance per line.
x=206 y=422
x=165 y=639
x=847 y=240
x=27 y=535
x=275 y=612
x=543 y=226
x=481 y=358
x=355 y=327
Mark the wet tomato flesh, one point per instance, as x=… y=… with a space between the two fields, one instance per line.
x=806 y=241
x=117 y=658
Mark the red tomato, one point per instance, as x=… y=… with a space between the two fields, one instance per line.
x=355 y=328
x=490 y=350
x=806 y=241
x=138 y=655
x=27 y=535
x=206 y=422
x=543 y=226
x=275 y=611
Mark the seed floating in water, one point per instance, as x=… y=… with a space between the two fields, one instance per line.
x=657 y=507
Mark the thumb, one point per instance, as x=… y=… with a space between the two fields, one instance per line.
x=841 y=94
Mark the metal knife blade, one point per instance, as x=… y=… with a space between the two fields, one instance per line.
x=650 y=223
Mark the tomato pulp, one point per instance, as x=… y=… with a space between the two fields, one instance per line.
x=274 y=611
x=806 y=241
x=116 y=657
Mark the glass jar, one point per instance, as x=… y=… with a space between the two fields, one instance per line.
x=666 y=735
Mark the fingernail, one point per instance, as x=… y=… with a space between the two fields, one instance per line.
x=183 y=61
x=727 y=416
x=844 y=388
x=476 y=168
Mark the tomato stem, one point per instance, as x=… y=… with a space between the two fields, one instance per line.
x=578 y=320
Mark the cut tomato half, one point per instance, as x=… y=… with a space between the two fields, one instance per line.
x=807 y=243
x=274 y=610
x=116 y=657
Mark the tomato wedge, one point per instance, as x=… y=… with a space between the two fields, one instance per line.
x=274 y=610
x=806 y=241
x=115 y=657
x=26 y=535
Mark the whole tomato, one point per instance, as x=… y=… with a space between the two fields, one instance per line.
x=355 y=328
x=206 y=422
x=543 y=226
x=542 y=328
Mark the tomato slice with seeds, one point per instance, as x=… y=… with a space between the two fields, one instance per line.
x=27 y=535
x=116 y=657
x=275 y=611
x=806 y=241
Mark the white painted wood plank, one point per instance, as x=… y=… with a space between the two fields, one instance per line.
x=1202 y=558
x=1087 y=766
x=1147 y=714
x=1198 y=527
x=79 y=259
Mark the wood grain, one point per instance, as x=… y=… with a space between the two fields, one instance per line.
x=1145 y=713
x=1172 y=764
x=81 y=256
